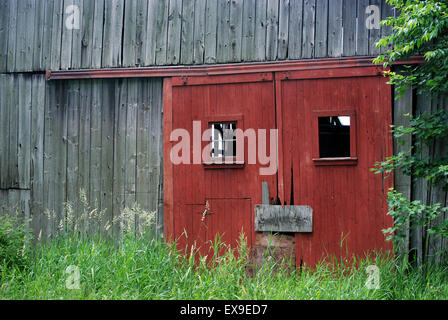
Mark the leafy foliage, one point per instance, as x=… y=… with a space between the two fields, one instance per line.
x=420 y=29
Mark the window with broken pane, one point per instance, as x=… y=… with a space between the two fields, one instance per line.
x=334 y=136
x=223 y=140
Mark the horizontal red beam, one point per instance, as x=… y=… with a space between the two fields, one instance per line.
x=221 y=69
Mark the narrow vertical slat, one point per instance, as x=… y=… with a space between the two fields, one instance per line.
x=39 y=25
x=95 y=144
x=97 y=50
x=174 y=32
x=362 y=34
x=374 y=33
x=25 y=37
x=151 y=33
x=335 y=28
x=88 y=11
x=309 y=13
x=187 y=40
x=131 y=142
x=283 y=29
x=349 y=23
x=260 y=30
x=199 y=31
x=403 y=182
x=272 y=29
x=12 y=32
x=85 y=90
x=24 y=131
x=4 y=30
x=107 y=149
x=112 y=36
x=45 y=62
x=13 y=93
x=222 y=48
x=248 y=32
x=67 y=36
x=56 y=32
x=37 y=152
x=119 y=150
x=77 y=37
x=236 y=30
x=211 y=21
x=295 y=27
x=129 y=34
x=157 y=147
x=141 y=29
x=4 y=130
x=73 y=105
x=387 y=11
x=161 y=32
x=321 y=37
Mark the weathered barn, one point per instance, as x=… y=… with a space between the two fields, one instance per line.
x=83 y=84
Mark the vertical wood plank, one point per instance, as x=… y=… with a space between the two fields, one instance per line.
x=260 y=30
x=403 y=182
x=25 y=35
x=187 y=40
x=56 y=32
x=39 y=24
x=236 y=30
x=73 y=121
x=248 y=32
x=174 y=32
x=77 y=37
x=4 y=31
x=107 y=150
x=335 y=28
x=222 y=48
x=45 y=62
x=112 y=36
x=131 y=143
x=349 y=24
x=309 y=10
x=151 y=33
x=141 y=29
x=4 y=130
x=272 y=29
x=129 y=34
x=67 y=36
x=12 y=30
x=374 y=34
x=13 y=91
x=37 y=155
x=321 y=38
x=199 y=32
x=119 y=151
x=211 y=21
x=283 y=29
x=97 y=50
x=24 y=131
x=88 y=11
x=362 y=34
x=387 y=11
x=295 y=27
x=161 y=32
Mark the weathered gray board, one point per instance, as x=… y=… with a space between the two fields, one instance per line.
x=56 y=138
x=276 y=218
x=131 y=33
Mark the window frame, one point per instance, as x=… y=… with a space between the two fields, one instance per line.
x=347 y=161
x=223 y=162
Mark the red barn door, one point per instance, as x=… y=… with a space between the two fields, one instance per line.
x=336 y=125
x=210 y=198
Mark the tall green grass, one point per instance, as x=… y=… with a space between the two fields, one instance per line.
x=144 y=267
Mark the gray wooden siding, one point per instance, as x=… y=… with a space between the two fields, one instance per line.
x=102 y=136
x=134 y=33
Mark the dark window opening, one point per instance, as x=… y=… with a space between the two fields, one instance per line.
x=334 y=137
x=223 y=140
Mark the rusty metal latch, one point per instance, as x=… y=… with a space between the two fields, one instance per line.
x=206 y=211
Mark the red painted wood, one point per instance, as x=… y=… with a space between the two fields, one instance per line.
x=348 y=200
x=231 y=192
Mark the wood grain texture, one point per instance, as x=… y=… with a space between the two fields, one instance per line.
x=271 y=218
